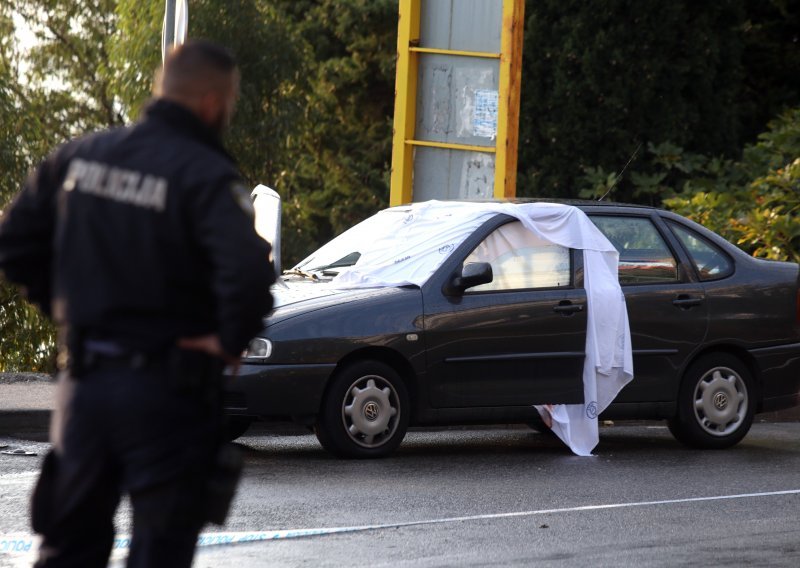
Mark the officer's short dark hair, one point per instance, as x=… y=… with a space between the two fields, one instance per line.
x=202 y=53
x=195 y=65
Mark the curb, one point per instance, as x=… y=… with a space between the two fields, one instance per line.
x=34 y=423
x=15 y=378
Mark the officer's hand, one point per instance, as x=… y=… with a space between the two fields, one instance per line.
x=209 y=344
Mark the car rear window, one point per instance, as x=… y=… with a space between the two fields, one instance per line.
x=709 y=260
x=644 y=257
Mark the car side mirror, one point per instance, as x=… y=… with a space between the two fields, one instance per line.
x=473 y=274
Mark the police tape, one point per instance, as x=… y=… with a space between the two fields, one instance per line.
x=17 y=544
x=26 y=544
x=222 y=538
x=21 y=544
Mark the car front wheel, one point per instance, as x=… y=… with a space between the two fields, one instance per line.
x=365 y=411
x=716 y=403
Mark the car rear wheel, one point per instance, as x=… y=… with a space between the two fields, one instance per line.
x=365 y=412
x=716 y=403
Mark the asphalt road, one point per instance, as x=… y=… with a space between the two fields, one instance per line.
x=491 y=497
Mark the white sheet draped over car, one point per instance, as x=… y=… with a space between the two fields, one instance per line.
x=422 y=235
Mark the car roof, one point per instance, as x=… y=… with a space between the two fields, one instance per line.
x=580 y=203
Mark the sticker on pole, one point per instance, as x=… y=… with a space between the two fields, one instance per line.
x=484 y=115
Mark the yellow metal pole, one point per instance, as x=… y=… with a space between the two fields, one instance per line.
x=461 y=53
x=452 y=146
x=405 y=103
x=505 y=166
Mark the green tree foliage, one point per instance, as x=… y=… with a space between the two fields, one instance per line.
x=771 y=59
x=754 y=202
x=314 y=117
x=272 y=68
x=342 y=148
x=68 y=81
x=599 y=78
x=26 y=338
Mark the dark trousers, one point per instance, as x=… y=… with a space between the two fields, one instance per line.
x=118 y=431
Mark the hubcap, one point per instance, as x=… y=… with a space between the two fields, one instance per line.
x=370 y=411
x=720 y=401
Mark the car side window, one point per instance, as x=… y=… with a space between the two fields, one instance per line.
x=521 y=260
x=709 y=260
x=644 y=257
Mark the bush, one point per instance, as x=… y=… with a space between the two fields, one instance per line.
x=753 y=202
x=28 y=337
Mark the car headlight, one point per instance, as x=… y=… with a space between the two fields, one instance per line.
x=259 y=348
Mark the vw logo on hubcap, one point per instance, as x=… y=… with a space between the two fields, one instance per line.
x=371 y=411
x=720 y=400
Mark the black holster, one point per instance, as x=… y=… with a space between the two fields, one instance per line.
x=72 y=356
x=222 y=482
x=43 y=499
x=194 y=372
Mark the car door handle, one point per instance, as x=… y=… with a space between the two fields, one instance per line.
x=687 y=302
x=567 y=308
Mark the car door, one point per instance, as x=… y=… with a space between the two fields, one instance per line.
x=667 y=308
x=516 y=341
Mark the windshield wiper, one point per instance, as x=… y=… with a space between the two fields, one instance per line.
x=344 y=262
x=298 y=272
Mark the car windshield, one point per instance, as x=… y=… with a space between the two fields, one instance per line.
x=348 y=248
x=406 y=245
x=396 y=246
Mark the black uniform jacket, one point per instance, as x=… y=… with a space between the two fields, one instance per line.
x=141 y=235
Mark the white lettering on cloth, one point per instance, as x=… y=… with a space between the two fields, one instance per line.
x=117 y=184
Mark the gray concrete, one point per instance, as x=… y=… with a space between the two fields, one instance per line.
x=647 y=478
x=26 y=396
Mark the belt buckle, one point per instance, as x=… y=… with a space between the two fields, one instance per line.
x=138 y=360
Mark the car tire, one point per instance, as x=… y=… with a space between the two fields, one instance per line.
x=365 y=411
x=236 y=426
x=716 y=403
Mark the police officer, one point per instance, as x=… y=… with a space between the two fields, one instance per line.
x=139 y=241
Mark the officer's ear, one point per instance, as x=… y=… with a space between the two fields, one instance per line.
x=213 y=110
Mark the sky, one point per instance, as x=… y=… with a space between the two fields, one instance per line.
x=24 y=34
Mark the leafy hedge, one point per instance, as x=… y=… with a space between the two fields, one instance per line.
x=754 y=202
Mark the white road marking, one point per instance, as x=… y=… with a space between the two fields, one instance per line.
x=22 y=478
x=122 y=543
x=217 y=538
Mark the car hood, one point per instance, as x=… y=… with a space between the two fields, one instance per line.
x=296 y=298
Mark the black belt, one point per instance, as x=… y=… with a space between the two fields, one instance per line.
x=107 y=355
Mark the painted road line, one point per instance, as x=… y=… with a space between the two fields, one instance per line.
x=14 y=544
x=21 y=478
x=220 y=538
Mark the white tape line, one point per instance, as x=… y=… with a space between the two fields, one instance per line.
x=217 y=538
x=21 y=478
x=122 y=543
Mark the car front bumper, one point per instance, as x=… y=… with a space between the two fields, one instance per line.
x=276 y=391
